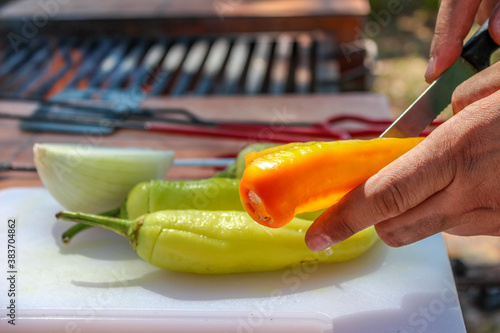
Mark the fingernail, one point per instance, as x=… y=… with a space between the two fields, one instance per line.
x=319 y=242
x=430 y=69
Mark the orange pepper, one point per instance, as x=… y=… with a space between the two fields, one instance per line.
x=283 y=181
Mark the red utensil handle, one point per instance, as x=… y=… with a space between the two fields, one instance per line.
x=261 y=135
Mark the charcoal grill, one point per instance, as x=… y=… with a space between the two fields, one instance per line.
x=245 y=64
x=122 y=54
x=175 y=48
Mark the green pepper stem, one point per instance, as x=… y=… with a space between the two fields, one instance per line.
x=68 y=235
x=113 y=212
x=120 y=226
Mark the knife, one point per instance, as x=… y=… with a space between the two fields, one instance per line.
x=475 y=57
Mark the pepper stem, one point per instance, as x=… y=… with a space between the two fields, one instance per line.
x=68 y=235
x=120 y=226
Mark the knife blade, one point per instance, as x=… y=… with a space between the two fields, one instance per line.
x=474 y=58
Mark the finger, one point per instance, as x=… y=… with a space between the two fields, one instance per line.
x=469 y=204
x=485 y=9
x=455 y=18
x=439 y=212
x=475 y=224
x=494 y=24
x=479 y=86
x=398 y=187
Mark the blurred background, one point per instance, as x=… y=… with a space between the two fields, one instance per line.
x=403 y=51
x=175 y=49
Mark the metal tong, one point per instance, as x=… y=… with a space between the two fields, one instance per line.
x=104 y=119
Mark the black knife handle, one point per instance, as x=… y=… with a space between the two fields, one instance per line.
x=478 y=49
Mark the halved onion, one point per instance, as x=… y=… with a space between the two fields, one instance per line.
x=94 y=179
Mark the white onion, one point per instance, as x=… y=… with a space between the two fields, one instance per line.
x=95 y=179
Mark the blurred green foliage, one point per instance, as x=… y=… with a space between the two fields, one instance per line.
x=403 y=40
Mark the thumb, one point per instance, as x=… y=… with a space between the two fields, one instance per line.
x=494 y=24
x=398 y=187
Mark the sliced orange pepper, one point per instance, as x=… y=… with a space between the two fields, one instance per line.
x=283 y=181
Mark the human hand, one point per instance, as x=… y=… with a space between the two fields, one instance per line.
x=449 y=182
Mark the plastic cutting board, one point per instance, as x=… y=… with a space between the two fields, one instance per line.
x=98 y=284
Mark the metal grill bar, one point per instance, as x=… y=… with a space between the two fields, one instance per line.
x=191 y=66
x=328 y=68
x=235 y=66
x=50 y=75
x=216 y=59
x=258 y=65
x=92 y=59
x=14 y=59
x=109 y=64
x=303 y=72
x=281 y=68
x=127 y=65
x=27 y=70
x=170 y=64
x=144 y=72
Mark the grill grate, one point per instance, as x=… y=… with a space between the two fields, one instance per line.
x=294 y=63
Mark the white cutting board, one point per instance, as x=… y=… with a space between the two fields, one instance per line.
x=98 y=284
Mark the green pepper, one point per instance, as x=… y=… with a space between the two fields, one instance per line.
x=236 y=169
x=214 y=242
x=214 y=194
x=172 y=189
x=155 y=195
x=204 y=194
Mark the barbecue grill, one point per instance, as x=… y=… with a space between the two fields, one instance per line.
x=189 y=47
x=120 y=55
x=246 y=64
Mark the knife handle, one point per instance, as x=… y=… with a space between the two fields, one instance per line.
x=478 y=49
